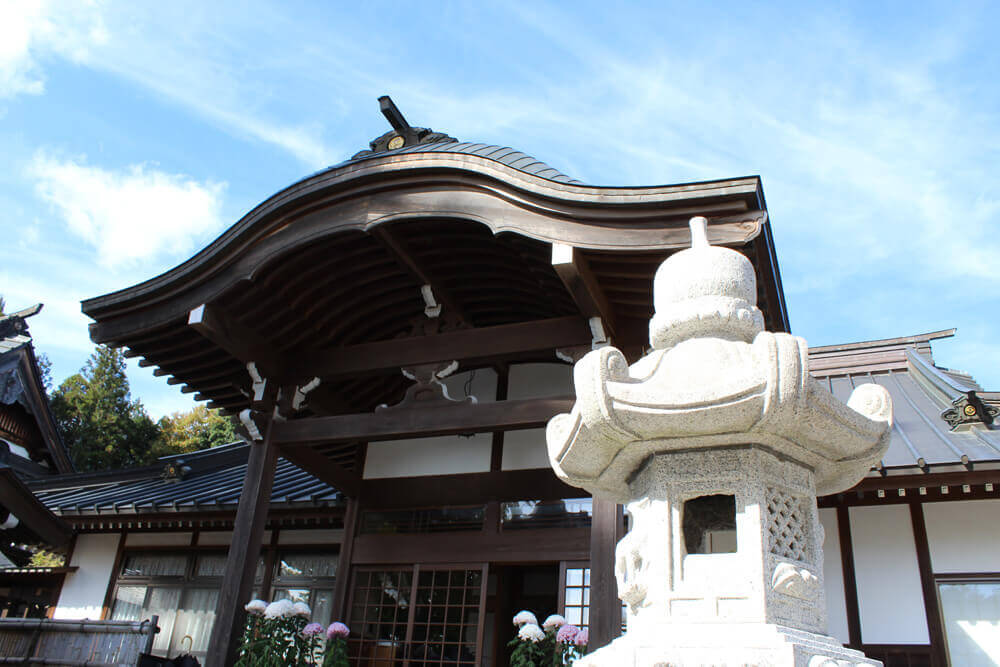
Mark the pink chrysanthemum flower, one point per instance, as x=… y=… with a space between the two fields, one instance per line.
x=582 y=638
x=567 y=634
x=337 y=629
x=312 y=629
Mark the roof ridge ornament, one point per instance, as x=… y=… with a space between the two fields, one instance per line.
x=13 y=324
x=403 y=134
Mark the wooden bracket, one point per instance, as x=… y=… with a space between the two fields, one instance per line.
x=575 y=273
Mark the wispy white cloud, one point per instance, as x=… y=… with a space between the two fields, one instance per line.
x=31 y=30
x=132 y=215
x=133 y=45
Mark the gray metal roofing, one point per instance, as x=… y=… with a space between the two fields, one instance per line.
x=198 y=491
x=920 y=436
x=503 y=154
x=8 y=344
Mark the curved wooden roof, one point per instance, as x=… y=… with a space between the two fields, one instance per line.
x=339 y=258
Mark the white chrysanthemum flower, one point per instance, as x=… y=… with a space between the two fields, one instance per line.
x=554 y=622
x=301 y=609
x=256 y=607
x=525 y=617
x=279 y=609
x=531 y=632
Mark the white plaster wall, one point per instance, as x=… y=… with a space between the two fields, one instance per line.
x=439 y=456
x=539 y=380
x=158 y=539
x=523 y=450
x=483 y=387
x=320 y=536
x=885 y=561
x=833 y=577
x=964 y=535
x=83 y=591
x=429 y=456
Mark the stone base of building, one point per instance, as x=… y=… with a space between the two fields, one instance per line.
x=725 y=645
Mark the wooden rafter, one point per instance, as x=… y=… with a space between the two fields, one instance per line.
x=404 y=257
x=240 y=342
x=321 y=467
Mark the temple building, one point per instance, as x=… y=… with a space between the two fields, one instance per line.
x=392 y=335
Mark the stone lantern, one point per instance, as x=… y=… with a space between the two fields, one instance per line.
x=718 y=441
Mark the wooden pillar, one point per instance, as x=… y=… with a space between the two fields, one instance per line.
x=606 y=528
x=343 y=581
x=935 y=629
x=244 y=550
x=850 y=577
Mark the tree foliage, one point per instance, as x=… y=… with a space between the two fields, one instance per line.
x=198 y=428
x=102 y=427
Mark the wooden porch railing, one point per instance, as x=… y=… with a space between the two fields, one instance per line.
x=45 y=641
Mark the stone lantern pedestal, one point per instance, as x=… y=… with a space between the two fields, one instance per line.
x=757 y=599
x=719 y=441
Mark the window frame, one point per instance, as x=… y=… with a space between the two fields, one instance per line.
x=957 y=578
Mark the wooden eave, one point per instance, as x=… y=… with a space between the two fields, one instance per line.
x=338 y=259
x=34 y=516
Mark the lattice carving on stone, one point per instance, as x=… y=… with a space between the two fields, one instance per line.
x=787 y=525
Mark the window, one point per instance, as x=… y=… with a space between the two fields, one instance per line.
x=183 y=589
x=574 y=598
x=307 y=577
x=424 y=614
x=431 y=520
x=576 y=595
x=971 y=614
x=565 y=513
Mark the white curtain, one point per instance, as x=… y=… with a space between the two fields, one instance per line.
x=972 y=622
x=194 y=622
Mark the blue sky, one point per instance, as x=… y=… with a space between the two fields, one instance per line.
x=132 y=134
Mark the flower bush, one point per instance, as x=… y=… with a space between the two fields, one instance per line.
x=555 y=644
x=279 y=634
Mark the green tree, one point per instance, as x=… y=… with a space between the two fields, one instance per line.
x=102 y=427
x=198 y=428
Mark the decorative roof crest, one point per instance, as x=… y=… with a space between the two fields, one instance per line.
x=402 y=135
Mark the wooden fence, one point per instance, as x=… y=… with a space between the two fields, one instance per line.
x=44 y=641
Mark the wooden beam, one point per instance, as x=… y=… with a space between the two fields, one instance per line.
x=462 y=345
x=465 y=489
x=958 y=478
x=244 y=549
x=399 y=424
x=321 y=467
x=516 y=546
x=607 y=527
x=575 y=273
